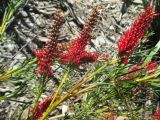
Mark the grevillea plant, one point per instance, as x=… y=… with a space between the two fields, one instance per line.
x=108 y=88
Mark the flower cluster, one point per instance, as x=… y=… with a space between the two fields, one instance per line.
x=130 y=40
x=151 y=67
x=41 y=108
x=77 y=55
x=135 y=70
x=157 y=113
x=47 y=54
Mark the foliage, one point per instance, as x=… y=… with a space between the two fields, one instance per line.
x=13 y=6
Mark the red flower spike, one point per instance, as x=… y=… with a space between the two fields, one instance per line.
x=151 y=66
x=47 y=54
x=41 y=108
x=157 y=114
x=85 y=58
x=125 y=59
x=77 y=55
x=130 y=40
x=135 y=67
x=134 y=71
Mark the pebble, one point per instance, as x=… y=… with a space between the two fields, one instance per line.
x=1 y=60
x=113 y=38
x=71 y=1
x=113 y=6
x=9 y=47
x=30 y=24
x=24 y=13
x=112 y=28
x=64 y=109
x=137 y=1
x=20 y=57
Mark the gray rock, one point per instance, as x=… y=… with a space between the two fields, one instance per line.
x=24 y=13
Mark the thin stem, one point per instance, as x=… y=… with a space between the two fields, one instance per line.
x=85 y=90
x=124 y=100
x=88 y=78
x=147 y=78
x=16 y=70
x=40 y=90
x=51 y=106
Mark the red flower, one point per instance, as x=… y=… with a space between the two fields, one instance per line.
x=77 y=55
x=134 y=71
x=157 y=114
x=41 y=108
x=125 y=59
x=135 y=67
x=130 y=40
x=151 y=66
x=47 y=54
x=46 y=59
x=85 y=57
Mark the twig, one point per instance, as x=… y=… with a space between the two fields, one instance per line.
x=19 y=101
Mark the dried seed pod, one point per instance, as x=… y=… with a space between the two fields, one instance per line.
x=93 y=17
x=64 y=46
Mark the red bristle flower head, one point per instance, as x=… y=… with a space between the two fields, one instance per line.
x=41 y=108
x=134 y=71
x=77 y=47
x=151 y=67
x=135 y=67
x=85 y=58
x=76 y=54
x=125 y=59
x=47 y=54
x=130 y=40
x=157 y=113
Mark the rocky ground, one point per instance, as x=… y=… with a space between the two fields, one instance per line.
x=34 y=19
